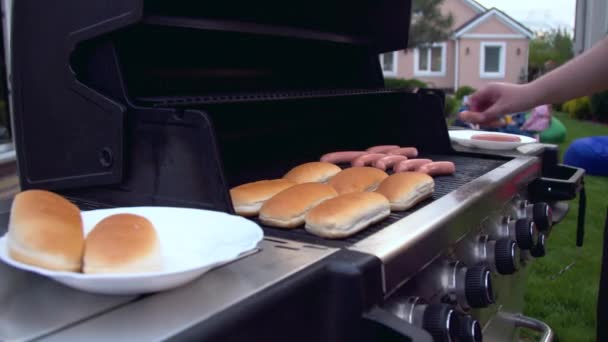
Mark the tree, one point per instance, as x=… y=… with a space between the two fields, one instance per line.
x=429 y=25
x=548 y=51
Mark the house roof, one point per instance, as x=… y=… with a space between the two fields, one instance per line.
x=476 y=6
x=493 y=12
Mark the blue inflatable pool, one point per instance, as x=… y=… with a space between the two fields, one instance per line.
x=590 y=154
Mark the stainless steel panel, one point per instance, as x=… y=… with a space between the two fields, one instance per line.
x=33 y=306
x=166 y=314
x=409 y=245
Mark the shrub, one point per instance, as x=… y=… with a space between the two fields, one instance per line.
x=599 y=106
x=578 y=108
x=398 y=83
x=559 y=107
x=451 y=105
x=464 y=91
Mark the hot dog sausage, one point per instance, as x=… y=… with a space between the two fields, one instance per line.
x=381 y=148
x=438 y=168
x=410 y=165
x=367 y=159
x=341 y=157
x=410 y=152
x=496 y=137
x=388 y=161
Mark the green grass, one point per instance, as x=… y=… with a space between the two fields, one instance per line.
x=568 y=302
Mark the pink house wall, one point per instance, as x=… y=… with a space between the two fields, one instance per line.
x=494 y=26
x=469 y=64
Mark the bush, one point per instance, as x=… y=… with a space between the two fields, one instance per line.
x=599 y=106
x=452 y=105
x=578 y=108
x=464 y=91
x=398 y=83
x=559 y=107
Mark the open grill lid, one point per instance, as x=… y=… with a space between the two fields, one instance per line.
x=171 y=103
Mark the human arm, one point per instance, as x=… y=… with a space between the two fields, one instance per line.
x=584 y=75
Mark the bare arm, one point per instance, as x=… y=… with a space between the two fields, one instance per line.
x=584 y=75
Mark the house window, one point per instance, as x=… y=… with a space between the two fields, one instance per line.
x=492 y=60
x=389 y=63
x=430 y=61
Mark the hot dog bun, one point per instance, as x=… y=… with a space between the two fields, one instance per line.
x=45 y=230
x=356 y=179
x=347 y=214
x=319 y=172
x=247 y=199
x=288 y=207
x=122 y=243
x=406 y=189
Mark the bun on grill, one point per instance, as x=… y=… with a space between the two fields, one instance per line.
x=347 y=214
x=356 y=179
x=319 y=172
x=288 y=207
x=122 y=243
x=247 y=199
x=406 y=189
x=45 y=230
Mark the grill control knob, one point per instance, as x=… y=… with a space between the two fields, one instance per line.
x=525 y=233
x=470 y=329
x=539 y=250
x=542 y=216
x=506 y=256
x=478 y=287
x=441 y=322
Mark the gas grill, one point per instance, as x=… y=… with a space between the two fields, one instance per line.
x=143 y=102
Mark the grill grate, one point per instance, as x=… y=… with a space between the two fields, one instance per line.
x=187 y=101
x=467 y=169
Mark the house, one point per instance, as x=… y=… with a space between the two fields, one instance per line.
x=485 y=45
x=591 y=24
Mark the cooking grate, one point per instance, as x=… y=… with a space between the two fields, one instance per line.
x=468 y=168
x=187 y=101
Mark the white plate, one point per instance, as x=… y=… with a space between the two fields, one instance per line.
x=193 y=242
x=463 y=137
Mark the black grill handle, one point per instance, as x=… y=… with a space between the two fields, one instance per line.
x=582 y=209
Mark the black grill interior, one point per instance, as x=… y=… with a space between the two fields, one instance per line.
x=468 y=168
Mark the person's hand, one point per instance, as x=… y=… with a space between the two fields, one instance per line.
x=489 y=104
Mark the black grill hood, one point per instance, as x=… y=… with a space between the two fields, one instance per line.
x=128 y=102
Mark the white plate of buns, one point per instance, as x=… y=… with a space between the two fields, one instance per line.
x=121 y=251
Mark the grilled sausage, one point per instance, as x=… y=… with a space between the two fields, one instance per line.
x=367 y=159
x=496 y=137
x=388 y=161
x=410 y=152
x=341 y=157
x=381 y=148
x=440 y=168
x=410 y=165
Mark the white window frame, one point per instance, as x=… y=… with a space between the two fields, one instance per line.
x=389 y=72
x=428 y=73
x=501 y=63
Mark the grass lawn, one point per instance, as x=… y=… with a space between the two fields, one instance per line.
x=568 y=302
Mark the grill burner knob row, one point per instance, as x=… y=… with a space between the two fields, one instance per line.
x=506 y=256
x=478 y=287
x=470 y=329
x=526 y=233
x=441 y=321
x=542 y=216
